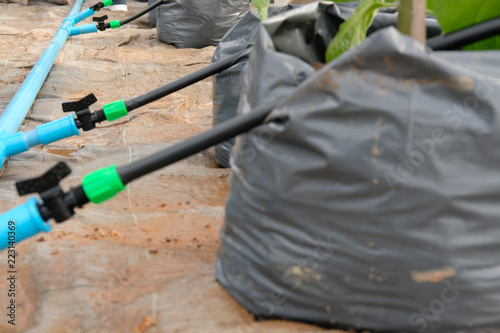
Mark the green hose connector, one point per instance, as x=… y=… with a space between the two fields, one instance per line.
x=115 y=110
x=102 y=184
x=114 y=24
x=106 y=3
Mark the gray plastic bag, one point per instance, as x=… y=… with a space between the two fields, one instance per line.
x=152 y=14
x=197 y=23
x=226 y=84
x=305 y=31
x=369 y=200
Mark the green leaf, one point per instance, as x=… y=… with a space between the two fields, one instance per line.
x=353 y=31
x=458 y=14
x=262 y=7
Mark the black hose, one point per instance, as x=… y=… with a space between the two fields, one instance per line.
x=139 y=14
x=185 y=81
x=459 y=39
x=142 y=12
x=222 y=132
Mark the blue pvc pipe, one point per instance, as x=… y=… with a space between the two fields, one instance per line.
x=44 y=134
x=13 y=116
x=20 y=223
x=83 y=29
x=82 y=15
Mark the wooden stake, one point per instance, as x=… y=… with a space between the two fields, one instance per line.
x=411 y=19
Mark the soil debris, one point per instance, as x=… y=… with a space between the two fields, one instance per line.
x=433 y=276
x=146 y=323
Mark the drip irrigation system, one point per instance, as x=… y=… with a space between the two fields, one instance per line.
x=86 y=120
x=101 y=24
x=14 y=114
x=103 y=184
x=11 y=142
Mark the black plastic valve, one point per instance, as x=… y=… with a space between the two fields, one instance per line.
x=101 y=22
x=97 y=7
x=45 y=182
x=85 y=119
x=56 y=204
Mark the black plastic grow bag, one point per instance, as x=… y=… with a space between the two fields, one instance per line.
x=370 y=198
x=197 y=23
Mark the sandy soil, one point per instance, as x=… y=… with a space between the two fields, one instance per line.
x=144 y=261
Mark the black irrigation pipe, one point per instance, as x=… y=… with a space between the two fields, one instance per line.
x=169 y=88
x=461 y=38
x=139 y=14
x=186 y=81
x=200 y=142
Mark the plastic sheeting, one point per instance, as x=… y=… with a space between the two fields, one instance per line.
x=197 y=23
x=370 y=198
x=308 y=40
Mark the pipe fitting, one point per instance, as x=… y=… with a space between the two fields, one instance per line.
x=57 y=130
x=44 y=134
x=83 y=29
x=25 y=220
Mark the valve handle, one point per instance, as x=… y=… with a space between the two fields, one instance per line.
x=98 y=6
x=80 y=105
x=55 y=203
x=85 y=119
x=45 y=182
x=100 y=19
x=101 y=24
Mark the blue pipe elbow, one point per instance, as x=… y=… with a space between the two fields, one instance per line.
x=13 y=144
x=21 y=223
x=83 y=29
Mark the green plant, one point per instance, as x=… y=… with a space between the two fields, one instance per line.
x=451 y=14
x=262 y=7
x=458 y=14
x=353 y=31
